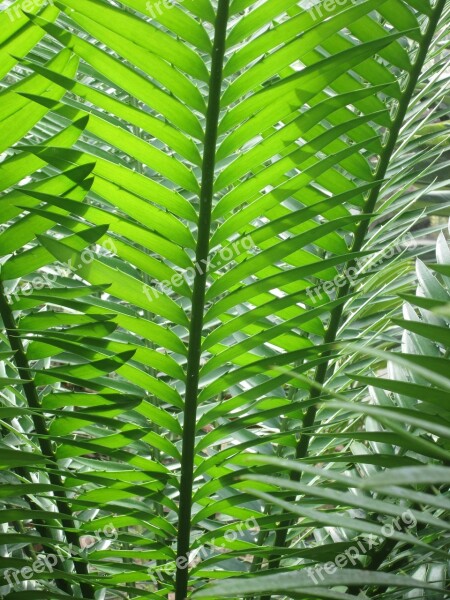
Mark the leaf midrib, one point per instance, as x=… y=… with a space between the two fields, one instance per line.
x=198 y=298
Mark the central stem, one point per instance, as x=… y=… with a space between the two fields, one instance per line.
x=198 y=301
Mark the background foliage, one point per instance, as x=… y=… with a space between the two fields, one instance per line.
x=233 y=417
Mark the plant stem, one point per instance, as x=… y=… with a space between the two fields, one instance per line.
x=358 y=242
x=198 y=300
x=40 y=426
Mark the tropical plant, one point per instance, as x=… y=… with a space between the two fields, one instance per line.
x=393 y=519
x=204 y=207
